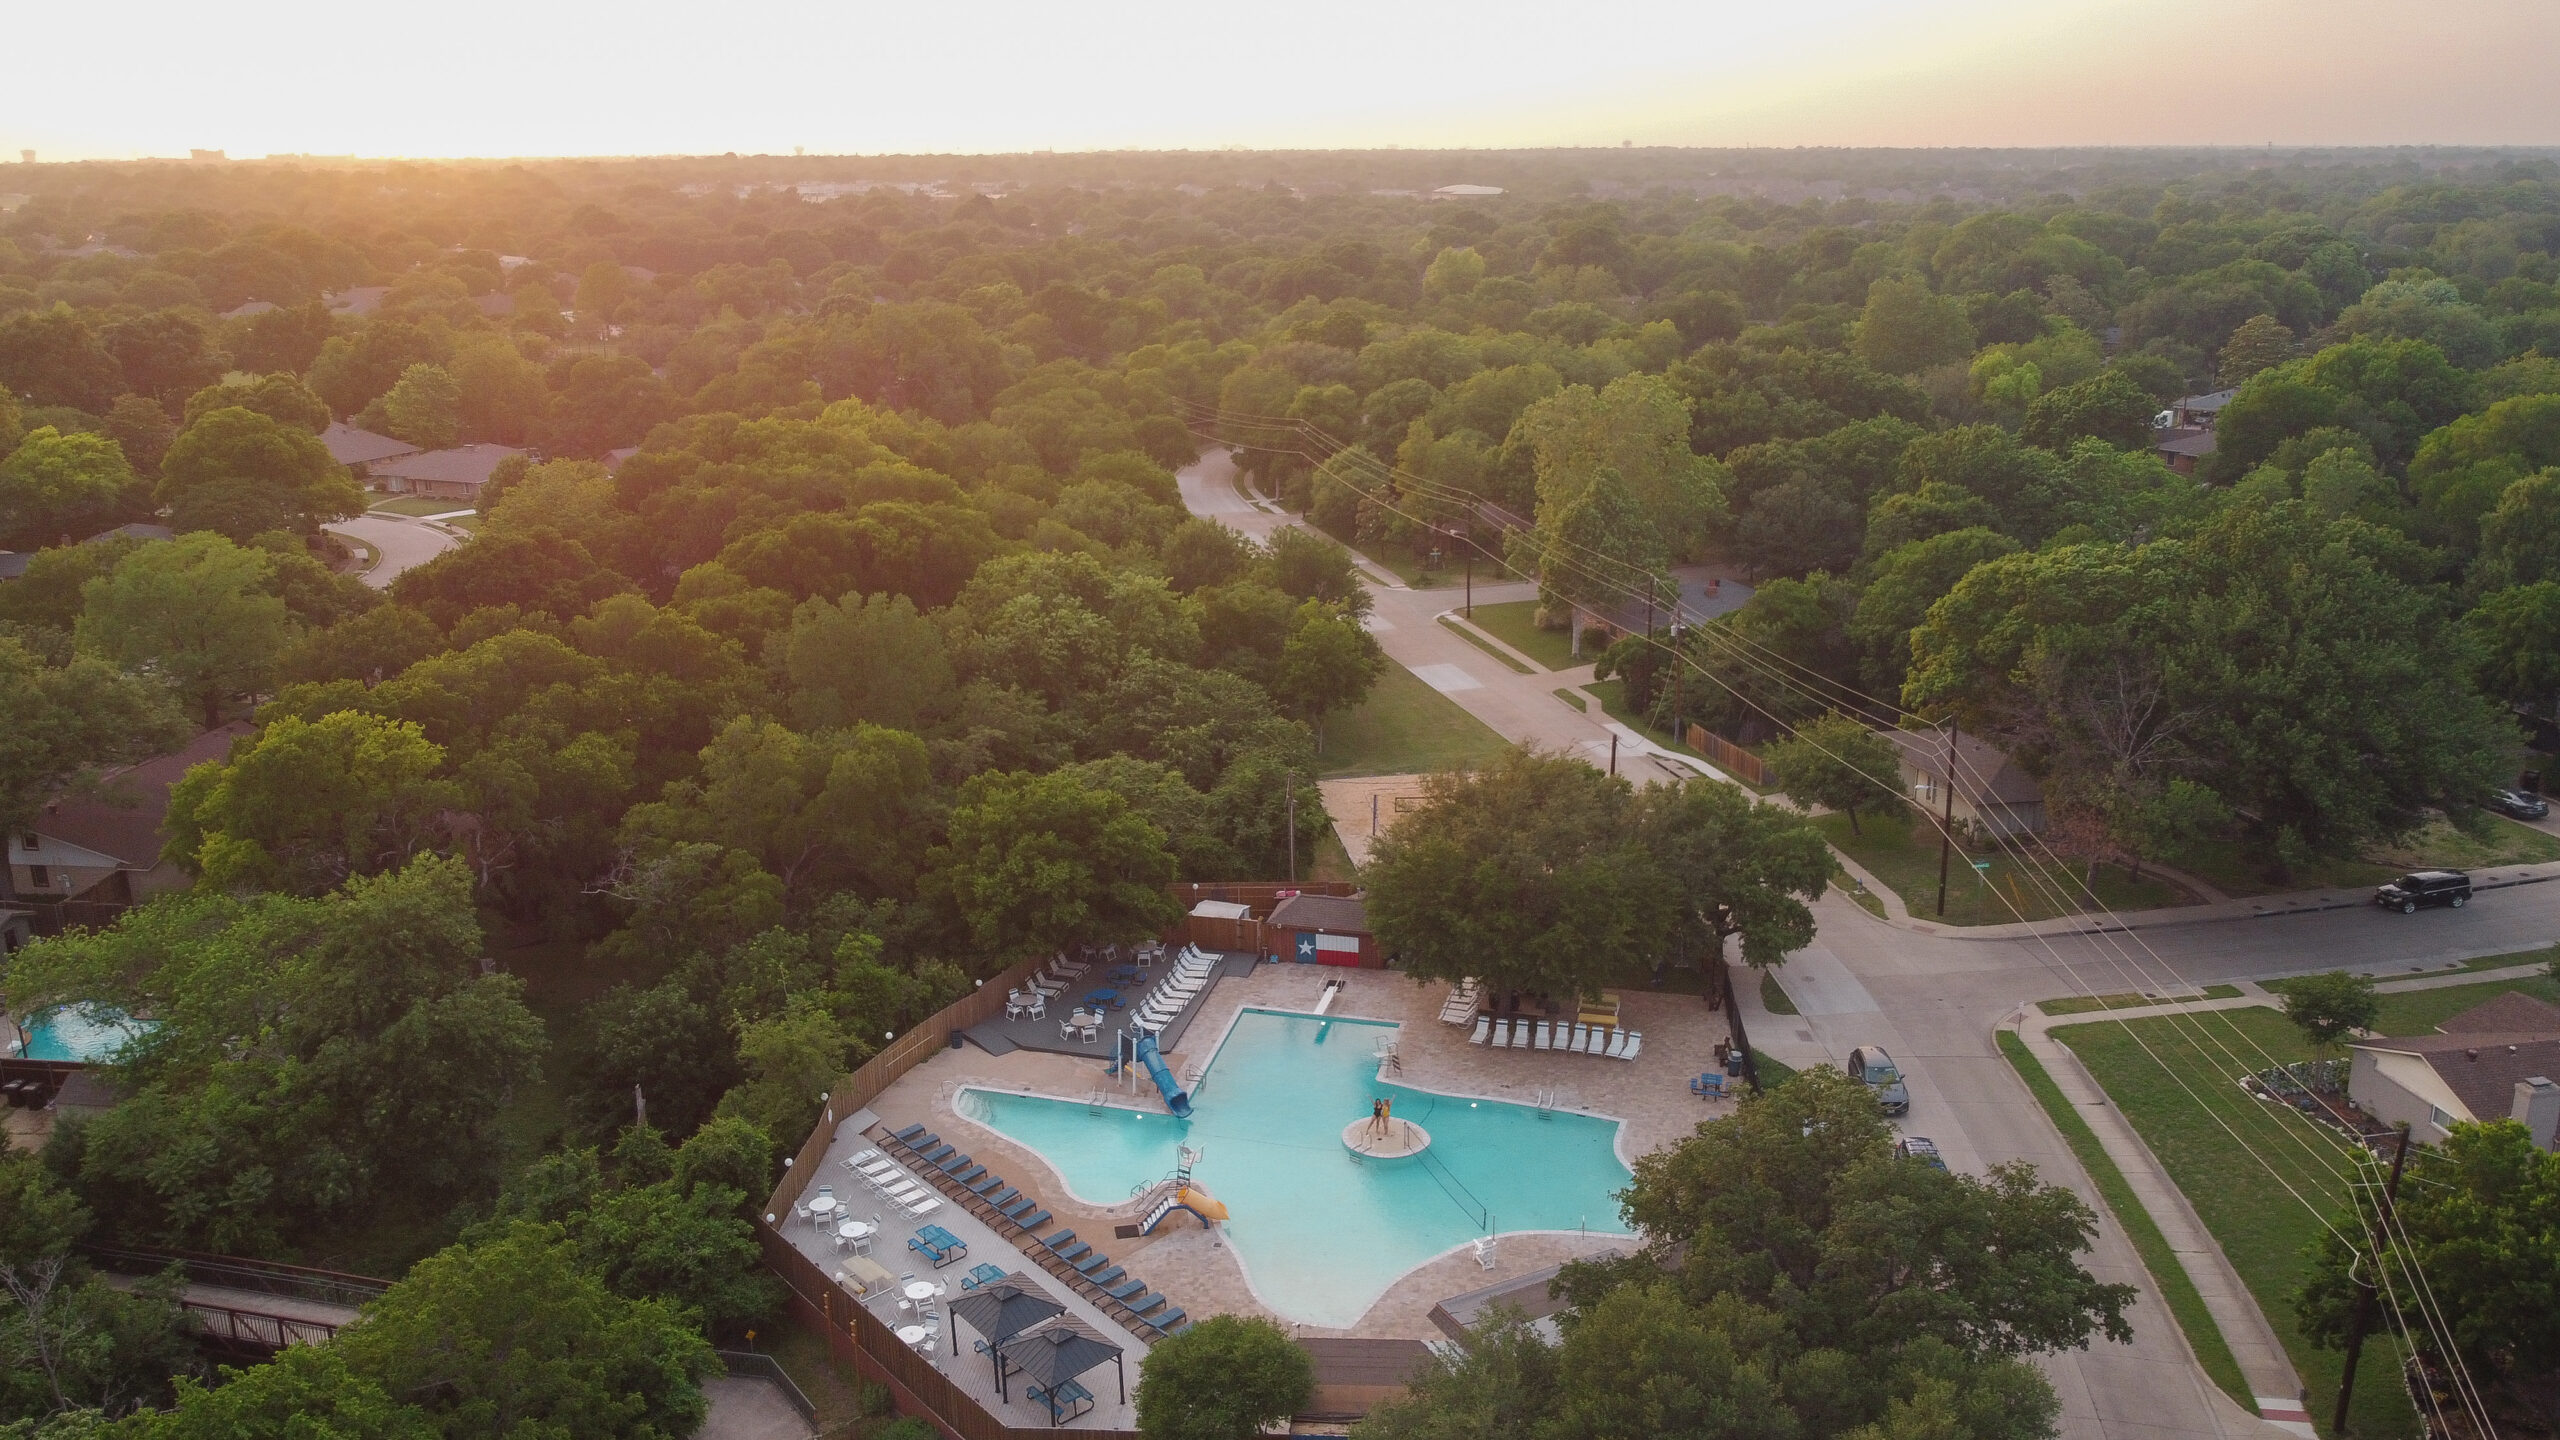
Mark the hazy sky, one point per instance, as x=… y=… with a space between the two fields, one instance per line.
x=532 y=77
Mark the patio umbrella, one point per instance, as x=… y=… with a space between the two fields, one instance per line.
x=1003 y=1310
x=1062 y=1352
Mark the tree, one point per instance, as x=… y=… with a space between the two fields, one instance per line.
x=164 y=355
x=2520 y=540
x=1735 y=867
x=2330 y=1006
x=1837 y=763
x=70 y=1338
x=243 y=473
x=512 y=1335
x=58 y=721
x=423 y=408
x=2474 y=1218
x=2516 y=634
x=1328 y=663
x=1529 y=872
x=2260 y=344
x=281 y=397
x=306 y=1392
x=141 y=429
x=660 y=1042
x=1905 y=329
x=869 y=659
x=1038 y=862
x=829 y=805
x=2107 y=406
x=52 y=357
x=55 y=485
x=1230 y=1377
x=196 y=611
x=307 y=804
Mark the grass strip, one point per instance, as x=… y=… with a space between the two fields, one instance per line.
x=1774 y=996
x=1574 y=699
x=2083 y=1004
x=1773 y=1073
x=1487 y=646
x=2186 y=1303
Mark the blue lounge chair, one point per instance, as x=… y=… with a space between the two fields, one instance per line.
x=1017 y=1207
x=924 y=1142
x=937 y=1154
x=1063 y=1237
x=985 y=1184
x=966 y=1174
x=1075 y=1252
x=1108 y=1278
x=1091 y=1263
x=1127 y=1291
x=1151 y=1303
x=909 y=1133
x=1000 y=1198
x=1167 y=1321
x=1032 y=1221
x=950 y=1160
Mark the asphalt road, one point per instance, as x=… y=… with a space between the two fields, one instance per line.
x=402 y=542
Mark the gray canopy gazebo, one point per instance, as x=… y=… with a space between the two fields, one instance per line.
x=1003 y=1310
x=1058 y=1353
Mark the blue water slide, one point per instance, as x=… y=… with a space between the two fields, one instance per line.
x=1176 y=1099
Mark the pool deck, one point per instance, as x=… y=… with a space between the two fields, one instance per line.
x=970 y=1370
x=1195 y=1267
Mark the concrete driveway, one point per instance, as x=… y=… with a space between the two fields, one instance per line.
x=402 y=543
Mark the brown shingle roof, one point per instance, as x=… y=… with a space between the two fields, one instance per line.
x=2482 y=1070
x=123 y=818
x=1343 y=915
x=2513 y=1013
x=1981 y=767
x=461 y=465
x=351 y=446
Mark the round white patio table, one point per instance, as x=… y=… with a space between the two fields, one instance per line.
x=857 y=1230
x=920 y=1290
x=823 y=1206
x=913 y=1334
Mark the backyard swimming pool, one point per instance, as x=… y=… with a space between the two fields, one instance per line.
x=77 y=1032
x=1321 y=1234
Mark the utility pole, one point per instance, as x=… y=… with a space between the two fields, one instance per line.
x=1947 y=823
x=1471 y=577
x=2363 y=1316
x=1291 y=780
x=1613 y=753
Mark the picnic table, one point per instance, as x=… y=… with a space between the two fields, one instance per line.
x=1066 y=1401
x=1103 y=997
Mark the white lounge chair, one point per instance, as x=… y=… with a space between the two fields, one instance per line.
x=1635 y=1043
x=925 y=1205
x=1546 y=1035
x=1581 y=1044
x=1501 y=1034
x=1617 y=1045
x=1483 y=1025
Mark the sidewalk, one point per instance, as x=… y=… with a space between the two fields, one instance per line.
x=2256 y=907
x=2235 y=1311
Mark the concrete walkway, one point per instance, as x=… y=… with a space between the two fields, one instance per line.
x=2256 y=907
x=744 y=1407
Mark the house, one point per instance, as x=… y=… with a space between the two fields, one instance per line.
x=350 y=446
x=2181 y=449
x=1323 y=930
x=13 y=564
x=247 y=308
x=138 y=530
x=1991 y=794
x=358 y=300
x=2183 y=434
x=2198 y=412
x=2493 y=1061
x=455 y=474
x=1465 y=192
x=104 y=849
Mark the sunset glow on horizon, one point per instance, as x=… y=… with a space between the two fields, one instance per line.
x=486 y=79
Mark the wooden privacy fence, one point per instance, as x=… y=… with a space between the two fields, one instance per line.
x=1740 y=762
x=856 y=1335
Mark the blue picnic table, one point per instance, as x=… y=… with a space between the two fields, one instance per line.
x=1065 y=1401
x=1103 y=997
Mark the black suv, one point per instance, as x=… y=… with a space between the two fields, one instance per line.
x=2425 y=887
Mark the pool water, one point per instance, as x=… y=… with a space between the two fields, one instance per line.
x=1321 y=1234
x=80 y=1032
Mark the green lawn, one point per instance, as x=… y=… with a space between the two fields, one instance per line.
x=2227 y=1152
x=1330 y=861
x=1576 y=699
x=1514 y=624
x=2238 y=870
x=1773 y=996
x=2177 y=1288
x=1612 y=695
x=2419 y=1012
x=417 y=505
x=1905 y=856
x=1499 y=654
x=1399 y=560
x=1405 y=727
x=1773 y=1073
x=463 y=522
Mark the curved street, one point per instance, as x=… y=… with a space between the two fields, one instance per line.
x=1934 y=999
x=399 y=542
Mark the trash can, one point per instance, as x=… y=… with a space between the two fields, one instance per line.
x=1733 y=1062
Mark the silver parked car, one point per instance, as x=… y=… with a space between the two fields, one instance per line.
x=1871 y=1066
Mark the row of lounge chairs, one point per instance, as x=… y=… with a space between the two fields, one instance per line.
x=1193 y=972
x=912 y=1197
x=1057 y=975
x=1025 y=1213
x=1610 y=1041
x=1115 y=1282
x=1463 y=1002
